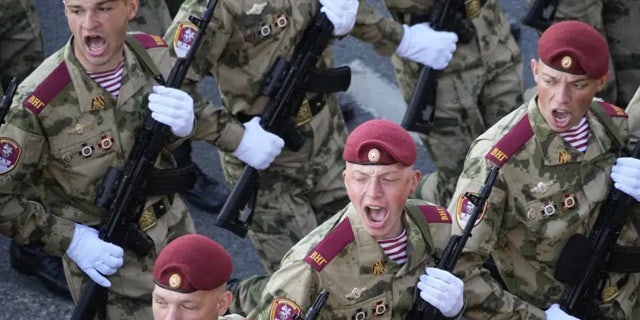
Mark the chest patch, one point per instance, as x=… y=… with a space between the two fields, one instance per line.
x=284 y=309
x=10 y=152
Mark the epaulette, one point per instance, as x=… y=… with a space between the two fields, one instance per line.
x=435 y=214
x=149 y=40
x=330 y=246
x=613 y=110
x=511 y=142
x=48 y=89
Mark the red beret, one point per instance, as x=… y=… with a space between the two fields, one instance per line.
x=192 y=262
x=574 y=47
x=380 y=142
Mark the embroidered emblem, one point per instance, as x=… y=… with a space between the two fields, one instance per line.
x=284 y=309
x=465 y=208
x=86 y=150
x=280 y=22
x=566 y=62
x=378 y=268
x=568 y=201
x=183 y=38
x=373 y=155
x=106 y=142
x=564 y=156
x=548 y=209
x=175 y=281
x=97 y=103
x=379 y=308
x=10 y=152
x=355 y=293
x=256 y=9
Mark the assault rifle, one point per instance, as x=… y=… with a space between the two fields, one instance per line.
x=285 y=85
x=5 y=104
x=540 y=14
x=582 y=265
x=124 y=191
x=444 y=16
x=314 y=310
x=422 y=309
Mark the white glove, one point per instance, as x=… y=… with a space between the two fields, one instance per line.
x=442 y=290
x=626 y=176
x=258 y=147
x=342 y=13
x=555 y=313
x=94 y=256
x=174 y=108
x=424 y=45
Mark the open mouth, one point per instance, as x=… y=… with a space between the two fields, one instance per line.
x=376 y=215
x=95 y=44
x=561 y=118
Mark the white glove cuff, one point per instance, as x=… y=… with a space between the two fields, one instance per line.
x=404 y=45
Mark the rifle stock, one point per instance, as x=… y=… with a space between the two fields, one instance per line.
x=580 y=299
x=285 y=85
x=123 y=190
x=540 y=14
x=422 y=310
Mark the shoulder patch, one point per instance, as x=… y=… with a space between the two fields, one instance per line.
x=330 y=246
x=435 y=214
x=284 y=309
x=149 y=40
x=464 y=209
x=10 y=152
x=48 y=89
x=511 y=142
x=613 y=110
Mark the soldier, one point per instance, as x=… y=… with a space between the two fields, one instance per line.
x=190 y=278
x=301 y=188
x=153 y=17
x=549 y=187
x=370 y=255
x=77 y=115
x=477 y=87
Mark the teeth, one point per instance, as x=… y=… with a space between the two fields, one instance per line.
x=375 y=207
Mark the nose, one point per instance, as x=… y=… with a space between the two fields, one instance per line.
x=89 y=20
x=563 y=94
x=374 y=189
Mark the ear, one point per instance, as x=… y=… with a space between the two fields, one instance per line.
x=534 y=69
x=133 y=8
x=415 y=180
x=224 y=300
x=600 y=83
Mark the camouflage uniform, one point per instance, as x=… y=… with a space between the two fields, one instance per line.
x=343 y=258
x=300 y=189
x=153 y=17
x=480 y=85
x=545 y=175
x=68 y=134
x=20 y=39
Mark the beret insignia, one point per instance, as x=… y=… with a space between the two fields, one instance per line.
x=374 y=155
x=566 y=62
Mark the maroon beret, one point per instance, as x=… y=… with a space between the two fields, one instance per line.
x=380 y=142
x=192 y=262
x=574 y=47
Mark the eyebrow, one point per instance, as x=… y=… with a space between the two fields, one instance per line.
x=97 y=4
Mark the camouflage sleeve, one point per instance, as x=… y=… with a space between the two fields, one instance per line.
x=485 y=297
x=382 y=32
x=21 y=176
x=213 y=124
x=294 y=285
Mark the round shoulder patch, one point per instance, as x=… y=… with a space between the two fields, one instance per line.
x=464 y=209
x=10 y=152
x=284 y=309
x=184 y=37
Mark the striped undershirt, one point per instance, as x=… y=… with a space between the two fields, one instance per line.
x=110 y=80
x=396 y=248
x=578 y=136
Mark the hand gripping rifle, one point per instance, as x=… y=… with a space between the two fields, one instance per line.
x=285 y=85
x=540 y=14
x=124 y=191
x=422 y=310
x=5 y=104
x=582 y=265
x=314 y=311
x=445 y=16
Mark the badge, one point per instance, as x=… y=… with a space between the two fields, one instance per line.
x=541 y=187
x=106 y=142
x=464 y=209
x=472 y=8
x=183 y=38
x=356 y=293
x=10 y=152
x=280 y=22
x=568 y=201
x=265 y=30
x=609 y=294
x=86 y=150
x=548 y=209
x=378 y=268
x=566 y=62
x=256 y=9
x=359 y=314
x=97 y=103
x=564 y=156
x=175 y=281
x=283 y=309
x=373 y=155
x=532 y=214
x=379 y=308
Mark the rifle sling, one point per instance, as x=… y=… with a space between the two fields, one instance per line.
x=144 y=57
x=624 y=259
x=418 y=218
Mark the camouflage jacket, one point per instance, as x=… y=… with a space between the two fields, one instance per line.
x=343 y=258
x=62 y=133
x=546 y=192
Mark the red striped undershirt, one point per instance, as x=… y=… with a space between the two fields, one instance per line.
x=110 y=80
x=396 y=248
x=578 y=136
